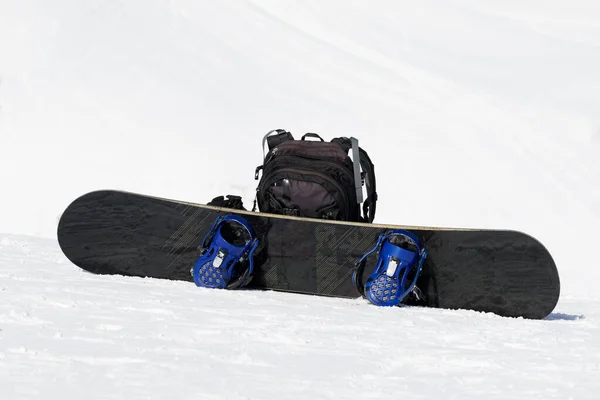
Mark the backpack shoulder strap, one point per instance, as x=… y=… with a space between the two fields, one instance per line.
x=369 y=178
x=274 y=140
x=344 y=143
x=367 y=175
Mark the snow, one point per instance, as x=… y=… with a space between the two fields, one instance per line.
x=476 y=114
x=70 y=334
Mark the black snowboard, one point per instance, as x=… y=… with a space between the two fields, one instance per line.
x=505 y=272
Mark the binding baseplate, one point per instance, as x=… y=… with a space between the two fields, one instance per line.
x=226 y=260
x=399 y=263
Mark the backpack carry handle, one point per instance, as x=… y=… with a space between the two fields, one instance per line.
x=313 y=135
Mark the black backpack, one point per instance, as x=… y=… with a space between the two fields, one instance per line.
x=315 y=179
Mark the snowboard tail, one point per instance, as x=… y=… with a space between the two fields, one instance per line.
x=113 y=232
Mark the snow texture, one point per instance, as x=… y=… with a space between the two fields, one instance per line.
x=68 y=334
x=475 y=114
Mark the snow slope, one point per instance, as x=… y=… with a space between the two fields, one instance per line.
x=488 y=111
x=67 y=334
x=493 y=108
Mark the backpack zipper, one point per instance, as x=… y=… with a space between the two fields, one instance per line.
x=332 y=163
x=325 y=177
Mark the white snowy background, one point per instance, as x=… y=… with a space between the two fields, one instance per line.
x=475 y=114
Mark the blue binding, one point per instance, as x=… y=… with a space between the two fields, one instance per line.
x=388 y=284
x=216 y=267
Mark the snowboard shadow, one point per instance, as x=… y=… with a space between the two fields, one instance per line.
x=563 y=317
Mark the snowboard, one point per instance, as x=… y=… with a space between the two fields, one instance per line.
x=505 y=272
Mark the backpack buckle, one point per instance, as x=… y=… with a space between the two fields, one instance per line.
x=293 y=212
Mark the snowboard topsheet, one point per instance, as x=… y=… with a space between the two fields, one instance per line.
x=505 y=272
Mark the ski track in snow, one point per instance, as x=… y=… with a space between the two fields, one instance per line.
x=65 y=333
